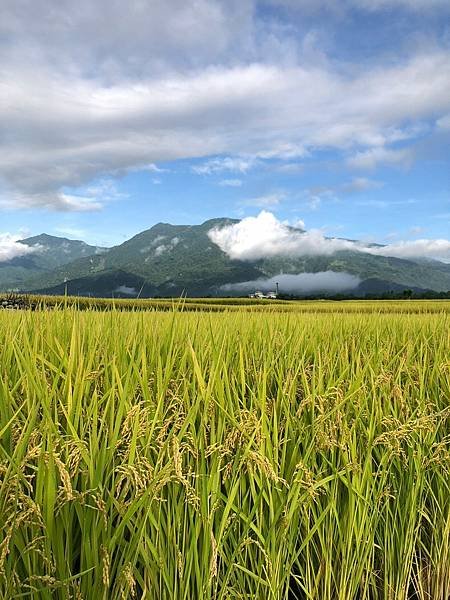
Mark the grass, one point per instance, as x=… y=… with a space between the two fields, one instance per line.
x=226 y=455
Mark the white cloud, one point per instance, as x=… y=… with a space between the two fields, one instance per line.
x=444 y=123
x=127 y=290
x=91 y=198
x=298 y=224
x=416 y=230
x=10 y=247
x=361 y=184
x=230 y=182
x=340 y=7
x=162 y=248
x=416 y=5
x=58 y=201
x=234 y=164
x=424 y=248
x=264 y=236
x=378 y=203
x=105 y=190
x=316 y=195
x=266 y=201
x=314 y=202
x=301 y=283
x=70 y=202
x=291 y=168
x=152 y=168
x=146 y=38
x=371 y=159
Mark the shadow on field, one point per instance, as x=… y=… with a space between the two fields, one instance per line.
x=295 y=592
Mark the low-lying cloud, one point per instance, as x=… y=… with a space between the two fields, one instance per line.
x=423 y=248
x=301 y=283
x=126 y=290
x=264 y=236
x=11 y=247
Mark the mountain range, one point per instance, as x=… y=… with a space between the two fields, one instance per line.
x=168 y=260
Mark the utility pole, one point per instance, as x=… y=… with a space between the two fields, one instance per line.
x=276 y=287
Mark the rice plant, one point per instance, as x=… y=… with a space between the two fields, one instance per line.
x=225 y=455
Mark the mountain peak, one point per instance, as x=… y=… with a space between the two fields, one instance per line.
x=53 y=240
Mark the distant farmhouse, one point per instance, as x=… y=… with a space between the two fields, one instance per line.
x=268 y=295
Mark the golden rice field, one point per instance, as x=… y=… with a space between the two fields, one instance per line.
x=271 y=453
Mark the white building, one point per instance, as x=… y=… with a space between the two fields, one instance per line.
x=259 y=294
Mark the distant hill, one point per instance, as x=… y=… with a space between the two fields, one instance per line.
x=51 y=253
x=168 y=260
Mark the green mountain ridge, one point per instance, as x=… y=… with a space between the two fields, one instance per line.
x=168 y=260
x=51 y=252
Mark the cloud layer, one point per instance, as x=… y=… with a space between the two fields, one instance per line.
x=88 y=89
x=302 y=283
x=423 y=248
x=364 y=5
x=264 y=236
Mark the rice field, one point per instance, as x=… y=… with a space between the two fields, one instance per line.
x=244 y=453
x=230 y=304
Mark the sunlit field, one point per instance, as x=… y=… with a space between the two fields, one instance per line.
x=214 y=450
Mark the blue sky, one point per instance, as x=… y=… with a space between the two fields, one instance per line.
x=334 y=115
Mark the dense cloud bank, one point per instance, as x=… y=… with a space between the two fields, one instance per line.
x=264 y=236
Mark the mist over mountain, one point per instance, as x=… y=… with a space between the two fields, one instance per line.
x=214 y=258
